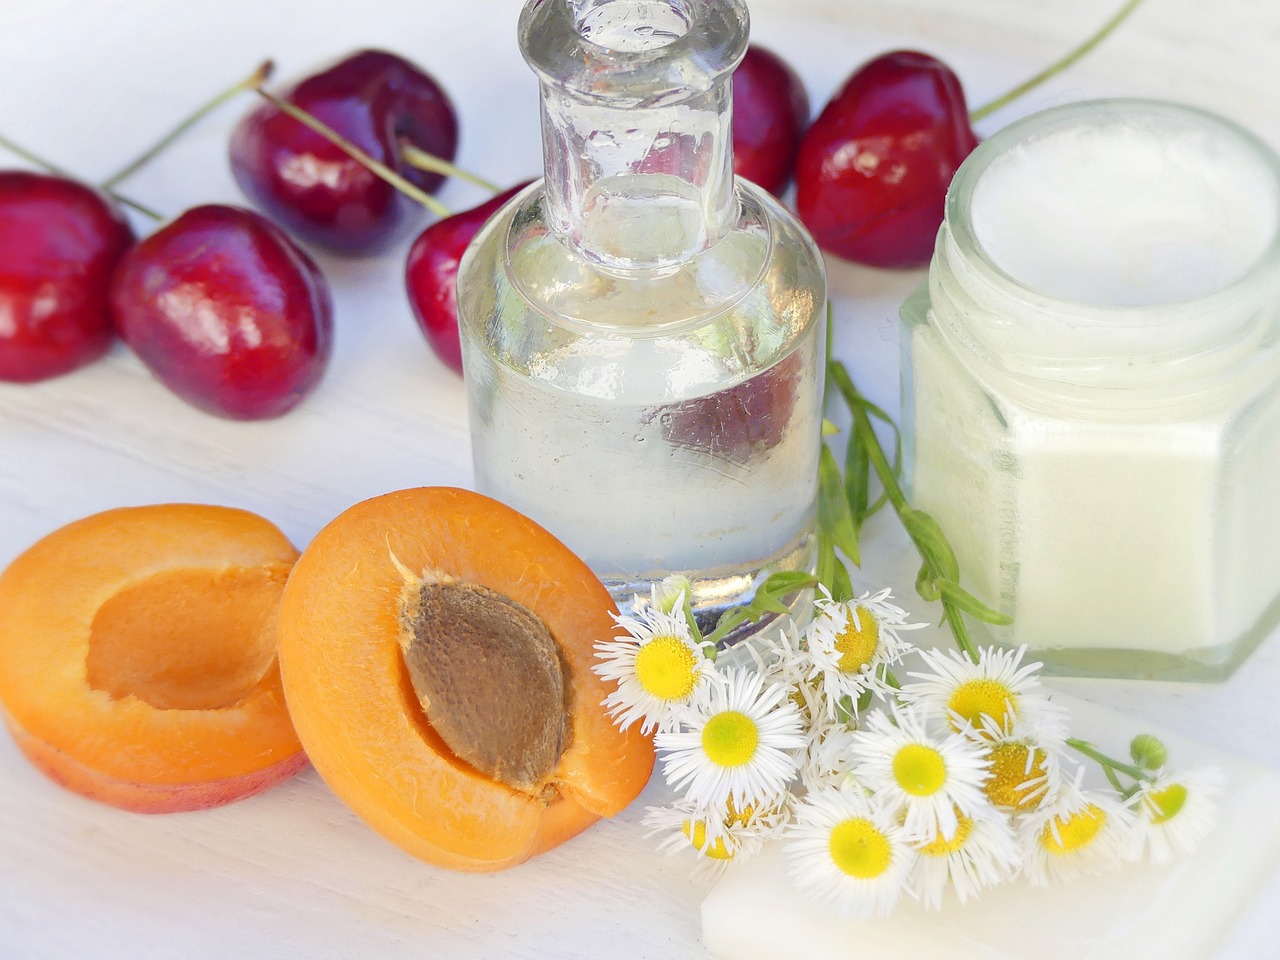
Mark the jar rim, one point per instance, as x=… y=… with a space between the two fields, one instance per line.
x=960 y=196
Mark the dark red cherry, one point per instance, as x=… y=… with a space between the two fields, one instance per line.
x=59 y=241
x=873 y=169
x=226 y=311
x=770 y=113
x=733 y=423
x=431 y=274
x=315 y=189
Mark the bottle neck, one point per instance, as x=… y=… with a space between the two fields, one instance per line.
x=636 y=111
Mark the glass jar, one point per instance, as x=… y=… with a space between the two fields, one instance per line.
x=1091 y=387
x=642 y=335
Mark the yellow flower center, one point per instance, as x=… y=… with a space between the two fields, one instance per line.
x=975 y=699
x=1164 y=805
x=696 y=831
x=919 y=770
x=733 y=815
x=859 y=849
x=1017 y=776
x=1074 y=832
x=940 y=846
x=665 y=668
x=857 y=642
x=729 y=739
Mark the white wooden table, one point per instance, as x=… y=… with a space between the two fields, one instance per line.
x=291 y=873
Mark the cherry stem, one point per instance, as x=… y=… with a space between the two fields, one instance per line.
x=258 y=77
x=1055 y=68
x=57 y=171
x=417 y=157
x=381 y=169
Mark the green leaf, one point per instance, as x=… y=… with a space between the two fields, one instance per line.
x=834 y=517
x=879 y=414
x=925 y=586
x=768 y=599
x=931 y=542
x=864 y=701
x=841 y=587
x=857 y=480
x=828 y=564
x=962 y=599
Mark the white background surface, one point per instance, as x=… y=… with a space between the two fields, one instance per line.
x=291 y=873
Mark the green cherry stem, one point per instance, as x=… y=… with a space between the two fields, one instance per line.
x=417 y=157
x=43 y=164
x=1058 y=66
x=255 y=79
x=381 y=169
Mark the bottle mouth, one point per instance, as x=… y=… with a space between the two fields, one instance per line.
x=643 y=52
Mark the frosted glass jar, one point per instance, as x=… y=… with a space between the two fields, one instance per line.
x=1091 y=387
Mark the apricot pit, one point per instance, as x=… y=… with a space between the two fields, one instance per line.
x=436 y=648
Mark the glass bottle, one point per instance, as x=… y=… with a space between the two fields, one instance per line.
x=642 y=334
x=1092 y=387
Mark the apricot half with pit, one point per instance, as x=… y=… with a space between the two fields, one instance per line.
x=137 y=656
x=436 y=648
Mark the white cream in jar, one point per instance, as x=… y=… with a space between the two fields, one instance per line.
x=1092 y=387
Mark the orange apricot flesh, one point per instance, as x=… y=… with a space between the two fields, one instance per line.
x=137 y=656
x=353 y=699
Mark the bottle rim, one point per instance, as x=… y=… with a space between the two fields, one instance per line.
x=554 y=39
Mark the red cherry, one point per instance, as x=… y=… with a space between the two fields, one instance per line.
x=59 y=241
x=733 y=423
x=770 y=112
x=874 y=168
x=313 y=187
x=431 y=274
x=226 y=311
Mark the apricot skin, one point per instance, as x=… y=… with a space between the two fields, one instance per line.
x=96 y=738
x=354 y=706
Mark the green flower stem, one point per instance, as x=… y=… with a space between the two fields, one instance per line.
x=1056 y=67
x=1109 y=764
x=865 y=434
x=381 y=169
x=57 y=171
x=255 y=79
x=417 y=157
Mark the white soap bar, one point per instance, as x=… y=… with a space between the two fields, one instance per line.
x=1142 y=912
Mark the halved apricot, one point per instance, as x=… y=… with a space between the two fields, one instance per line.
x=436 y=648
x=137 y=656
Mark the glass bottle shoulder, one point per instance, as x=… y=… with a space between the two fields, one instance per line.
x=529 y=303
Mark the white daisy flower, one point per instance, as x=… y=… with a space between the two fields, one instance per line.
x=927 y=776
x=1078 y=833
x=847 y=851
x=828 y=759
x=998 y=686
x=852 y=643
x=983 y=853
x=738 y=744
x=1025 y=769
x=781 y=657
x=658 y=668
x=718 y=834
x=1174 y=813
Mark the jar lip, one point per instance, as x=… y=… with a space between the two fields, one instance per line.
x=959 y=204
x=555 y=47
